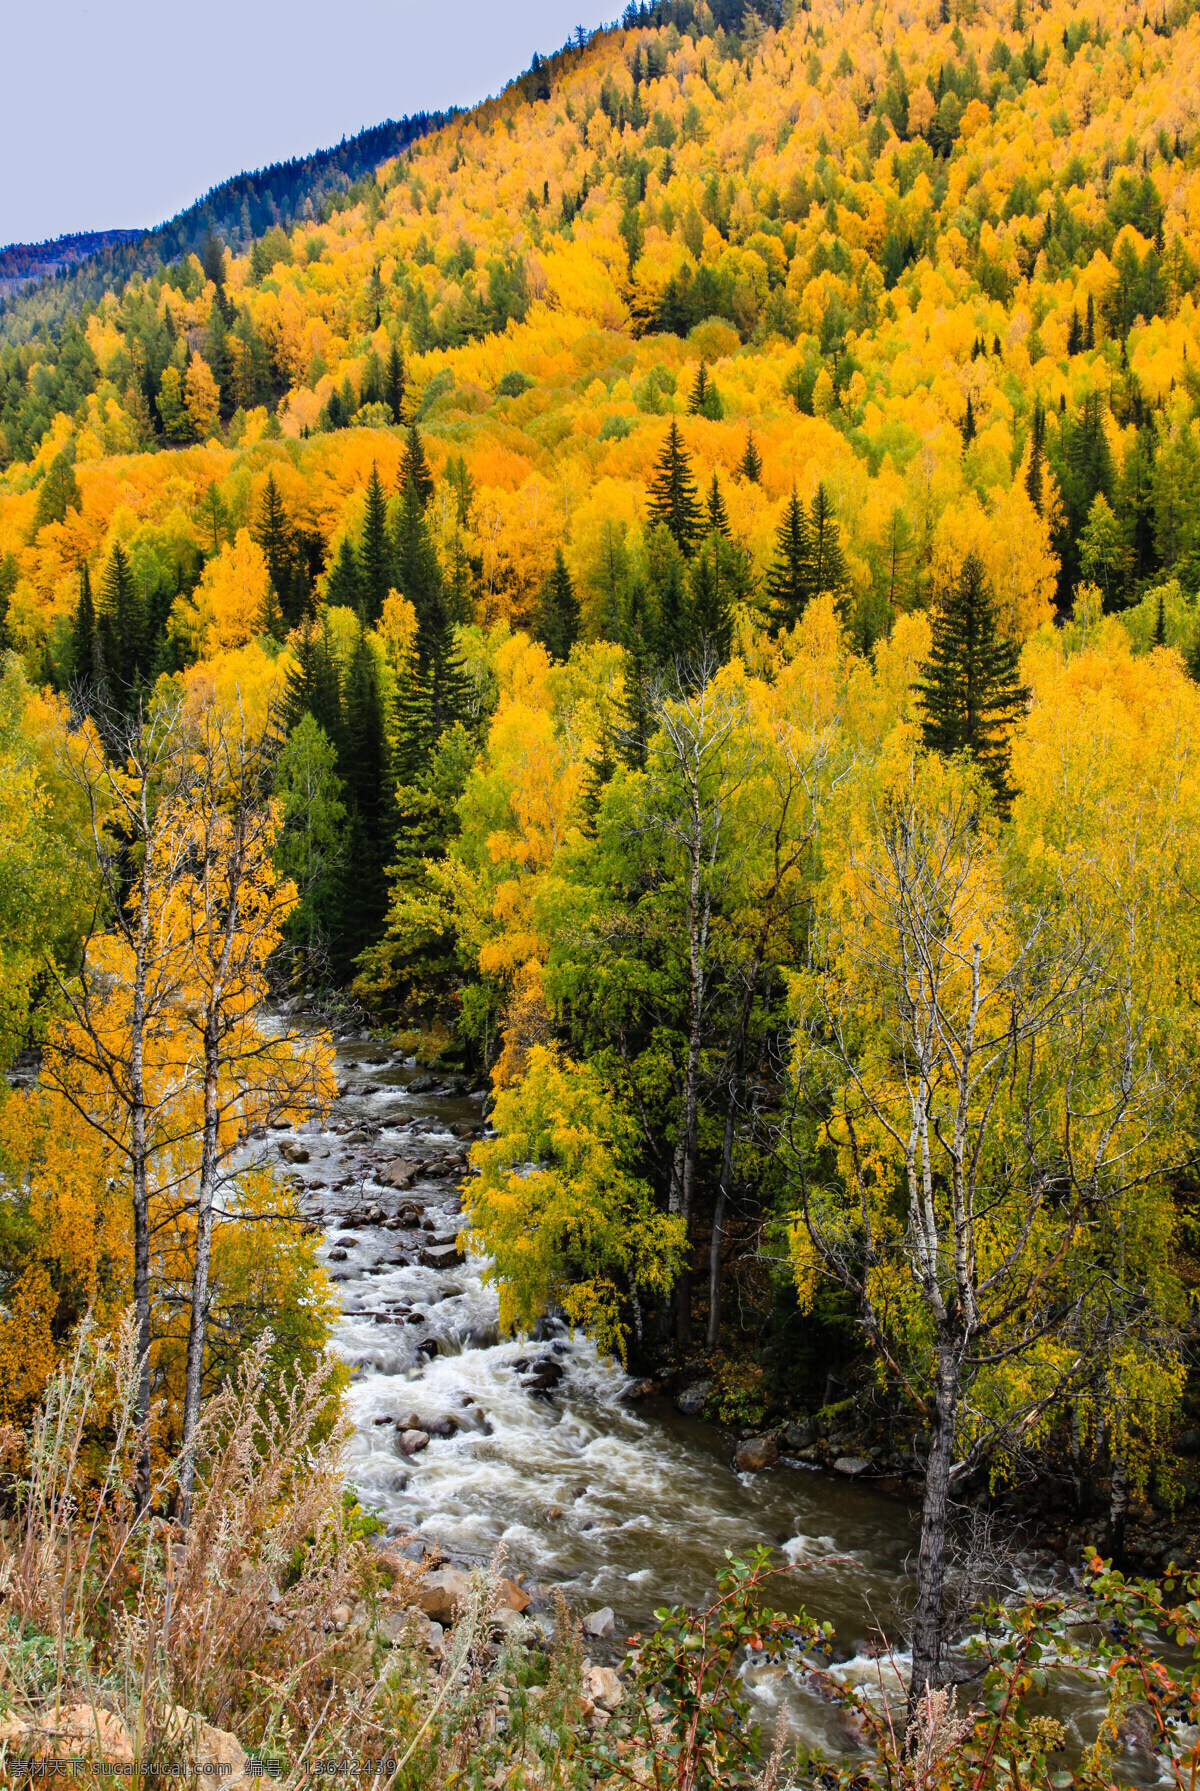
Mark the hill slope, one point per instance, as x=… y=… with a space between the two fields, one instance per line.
x=945 y=260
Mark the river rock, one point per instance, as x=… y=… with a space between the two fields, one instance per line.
x=424 y=1084
x=756 y=1453
x=851 y=1465
x=442 y=1594
x=513 y=1596
x=293 y=1153
x=441 y=1256
x=603 y=1686
x=693 y=1399
x=598 y=1623
x=399 y=1173
x=413 y=1441
x=638 y=1390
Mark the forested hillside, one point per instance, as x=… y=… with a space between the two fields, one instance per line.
x=698 y=558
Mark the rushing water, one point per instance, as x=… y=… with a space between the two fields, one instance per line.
x=627 y=1506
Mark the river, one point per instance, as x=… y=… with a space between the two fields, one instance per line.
x=626 y=1506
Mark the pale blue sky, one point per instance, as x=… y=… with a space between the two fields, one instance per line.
x=119 y=112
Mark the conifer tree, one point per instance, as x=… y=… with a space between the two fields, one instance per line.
x=968 y=427
x=710 y=618
x=1074 y=332
x=790 y=579
x=417 y=573
x=968 y=692
x=375 y=553
x=1089 y=328
x=750 y=465
x=718 y=515
x=601 y=767
x=273 y=533
x=700 y=388
x=120 y=627
x=673 y=499
x=556 y=623
x=313 y=686
x=414 y=468
x=632 y=738
x=828 y=560
x=394 y=382
x=344 y=587
x=82 y=667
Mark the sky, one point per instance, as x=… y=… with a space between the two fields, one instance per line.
x=118 y=113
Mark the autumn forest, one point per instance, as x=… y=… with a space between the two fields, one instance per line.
x=663 y=609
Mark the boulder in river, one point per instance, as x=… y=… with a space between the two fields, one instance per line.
x=413 y=1441
x=441 y=1256
x=598 y=1623
x=851 y=1465
x=399 y=1173
x=293 y=1153
x=756 y=1453
x=693 y=1399
x=443 y=1593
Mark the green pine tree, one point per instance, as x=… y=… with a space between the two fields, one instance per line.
x=81 y=667
x=1034 y=475
x=375 y=552
x=828 y=560
x=750 y=465
x=120 y=628
x=790 y=579
x=557 y=618
x=968 y=692
x=395 y=380
x=968 y=425
x=632 y=739
x=343 y=588
x=273 y=532
x=718 y=515
x=673 y=499
x=414 y=468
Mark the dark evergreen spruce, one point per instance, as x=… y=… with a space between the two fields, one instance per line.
x=673 y=499
x=828 y=560
x=273 y=532
x=790 y=579
x=414 y=468
x=394 y=382
x=375 y=552
x=344 y=587
x=557 y=620
x=718 y=515
x=750 y=465
x=968 y=693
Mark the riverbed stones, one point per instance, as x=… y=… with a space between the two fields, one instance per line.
x=693 y=1399
x=398 y=1173
x=293 y=1153
x=756 y=1453
x=598 y=1623
x=413 y=1441
x=851 y=1466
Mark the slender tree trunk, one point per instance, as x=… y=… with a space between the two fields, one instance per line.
x=138 y=1154
x=718 y=1232
x=204 y=1227
x=931 y=1560
x=1118 y=1501
x=697 y=938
